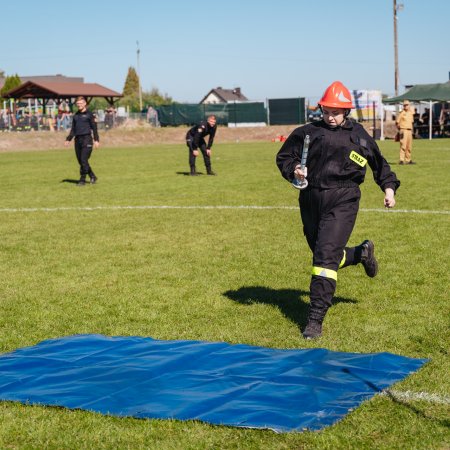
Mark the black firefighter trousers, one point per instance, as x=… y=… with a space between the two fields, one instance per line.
x=202 y=146
x=328 y=217
x=83 y=150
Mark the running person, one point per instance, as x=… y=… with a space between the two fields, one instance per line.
x=339 y=153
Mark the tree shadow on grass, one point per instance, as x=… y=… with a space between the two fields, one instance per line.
x=292 y=303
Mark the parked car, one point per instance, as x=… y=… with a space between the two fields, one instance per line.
x=314 y=115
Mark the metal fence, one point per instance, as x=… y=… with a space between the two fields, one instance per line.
x=48 y=122
x=234 y=114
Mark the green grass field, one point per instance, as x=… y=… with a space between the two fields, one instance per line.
x=238 y=275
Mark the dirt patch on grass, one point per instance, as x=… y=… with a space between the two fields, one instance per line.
x=137 y=136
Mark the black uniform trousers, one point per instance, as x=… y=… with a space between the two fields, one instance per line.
x=328 y=217
x=83 y=150
x=202 y=146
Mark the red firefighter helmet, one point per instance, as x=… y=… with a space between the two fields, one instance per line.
x=337 y=96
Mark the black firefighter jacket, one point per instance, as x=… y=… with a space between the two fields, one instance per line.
x=82 y=125
x=337 y=157
x=200 y=131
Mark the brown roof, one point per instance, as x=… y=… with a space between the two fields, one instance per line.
x=55 y=78
x=38 y=78
x=227 y=95
x=66 y=89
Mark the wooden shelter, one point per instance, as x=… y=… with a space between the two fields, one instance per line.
x=59 y=92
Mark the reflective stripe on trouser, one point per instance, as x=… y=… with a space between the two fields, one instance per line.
x=351 y=256
x=343 y=260
x=322 y=272
x=322 y=287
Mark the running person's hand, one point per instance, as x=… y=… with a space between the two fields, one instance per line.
x=195 y=152
x=208 y=151
x=299 y=173
x=96 y=144
x=389 y=198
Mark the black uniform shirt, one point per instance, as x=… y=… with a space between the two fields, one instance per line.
x=337 y=157
x=201 y=130
x=82 y=124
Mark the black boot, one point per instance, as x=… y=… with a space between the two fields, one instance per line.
x=313 y=329
x=93 y=178
x=82 y=181
x=368 y=259
x=316 y=315
x=210 y=172
x=193 y=172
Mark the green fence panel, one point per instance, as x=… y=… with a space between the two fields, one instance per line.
x=190 y=114
x=179 y=114
x=187 y=114
x=287 y=111
x=220 y=110
x=254 y=112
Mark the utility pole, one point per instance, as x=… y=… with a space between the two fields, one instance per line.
x=396 y=8
x=139 y=75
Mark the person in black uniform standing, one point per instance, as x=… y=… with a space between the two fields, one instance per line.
x=195 y=139
x=84 y=127
x=339 y=152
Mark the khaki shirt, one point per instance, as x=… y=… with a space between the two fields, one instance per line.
x=405 y=119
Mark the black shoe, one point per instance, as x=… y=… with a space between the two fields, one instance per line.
x=193 y=173
x=411 y=162
x=94 y=180
x=210 y=172
x=368 y=259
x=82 y=182
x=313 y=329
x=401 y=163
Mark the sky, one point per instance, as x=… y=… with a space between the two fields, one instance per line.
x=268 y=48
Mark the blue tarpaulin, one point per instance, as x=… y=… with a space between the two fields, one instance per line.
x=215 y=382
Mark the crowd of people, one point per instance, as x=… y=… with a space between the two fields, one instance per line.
x=29 y=119
x=440 y=125
x=24 y=120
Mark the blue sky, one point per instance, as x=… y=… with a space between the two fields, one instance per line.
x=269 y=48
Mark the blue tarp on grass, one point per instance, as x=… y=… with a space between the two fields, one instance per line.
x=215 y=382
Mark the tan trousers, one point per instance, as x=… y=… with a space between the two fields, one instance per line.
x=405 y=145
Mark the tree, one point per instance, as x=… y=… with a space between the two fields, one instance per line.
x=98 y=103
x=131 y=87
x=156 y=98
x=131 y=94
x=11 y=82
x=132 y=102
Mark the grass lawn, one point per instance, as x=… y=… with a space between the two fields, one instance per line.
x=238 y=275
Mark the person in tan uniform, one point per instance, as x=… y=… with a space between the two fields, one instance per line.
x=404 y=124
